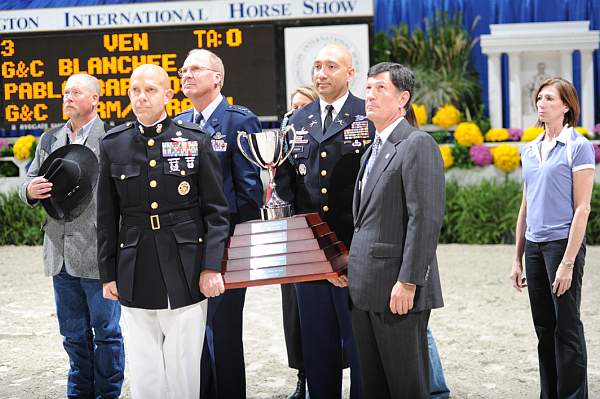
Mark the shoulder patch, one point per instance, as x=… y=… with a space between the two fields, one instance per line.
x=120 y=128
x=238 y=109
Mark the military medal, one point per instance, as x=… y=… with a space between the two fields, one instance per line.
x=218 y=136
x=190 y=162
x=180 y=148
x=219 y=145
x=183 y=188
x=356 y=143
x=173 y=164
x=302 y=169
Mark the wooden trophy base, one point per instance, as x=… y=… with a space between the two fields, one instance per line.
x=289 y=250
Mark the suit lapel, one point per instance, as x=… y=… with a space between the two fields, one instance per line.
x=357 y=191
x=213 y=125
x=96 y=132
x=387 y=152
x=343 y=119
x=313 y=121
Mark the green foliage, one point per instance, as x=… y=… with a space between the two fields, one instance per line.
x=19 y=223
x=487 y=214
x=440 y=58
x=8 y=169
x=461 y=156
x=380 y=48
x=441 y=136
x=480 y=119
x=6 y=151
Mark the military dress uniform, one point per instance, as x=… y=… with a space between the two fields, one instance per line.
x=320 y=177
x=162 y=219
x=224 y=375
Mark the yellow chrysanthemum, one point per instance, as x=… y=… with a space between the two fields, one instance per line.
x=531 y=133
x=506 y=157
x=499 y=134
x=420 y=113
x=583 y=131
x=468 y=134
x=22 y=147
x=446 y=116
x=447 y=156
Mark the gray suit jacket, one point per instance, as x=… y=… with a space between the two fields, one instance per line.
x=397 y=222
x=73 y=243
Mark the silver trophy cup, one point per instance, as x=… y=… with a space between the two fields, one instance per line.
x=267 y=150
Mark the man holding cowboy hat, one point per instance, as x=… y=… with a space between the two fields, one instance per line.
x=62 y=177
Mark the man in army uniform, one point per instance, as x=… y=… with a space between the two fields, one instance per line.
x=332 y=134
x=162 y=226
x=202 y=77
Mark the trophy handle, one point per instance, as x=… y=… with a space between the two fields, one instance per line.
x=285 y=132
x=239 y=143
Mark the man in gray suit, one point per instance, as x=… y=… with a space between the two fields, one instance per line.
x=88 y=323
x=398 y=212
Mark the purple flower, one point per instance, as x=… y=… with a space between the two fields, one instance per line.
x=3 y=143
x=480 y=155
x=597 y=128
x=597 y=152
x=514 y=133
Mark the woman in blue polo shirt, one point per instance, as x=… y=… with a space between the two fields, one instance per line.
x=558 y=173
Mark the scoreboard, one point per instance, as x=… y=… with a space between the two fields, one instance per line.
x=35 y=67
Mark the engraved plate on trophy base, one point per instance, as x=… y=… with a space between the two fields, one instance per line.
x=295 y=249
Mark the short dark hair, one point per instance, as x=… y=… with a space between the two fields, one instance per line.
x=403 y=79
x=568 y=95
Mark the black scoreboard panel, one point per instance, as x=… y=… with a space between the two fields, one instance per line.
x=36 y=66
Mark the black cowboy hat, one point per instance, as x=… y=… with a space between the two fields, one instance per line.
x=73 y=172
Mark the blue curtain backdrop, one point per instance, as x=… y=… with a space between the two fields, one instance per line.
x=389 y=13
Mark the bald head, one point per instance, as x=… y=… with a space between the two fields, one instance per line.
x=332 y=72
x=149 y=92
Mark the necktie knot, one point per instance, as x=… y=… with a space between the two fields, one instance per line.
x=199 y=119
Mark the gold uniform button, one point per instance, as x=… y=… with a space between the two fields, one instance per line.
x=323 y=172
x=325 y=208
x=122 y=177
x=152 y=163
x=183 y=173
x=323 y=190
x=150 y=142
x=154 y=205
x=323 y=154
x=153 y=183
x=122 y=245
x=200 y=240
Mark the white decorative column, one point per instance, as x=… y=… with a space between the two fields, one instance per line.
x=538 y=51
x=566 y=64
x=514 y=88
x=495 y=89
x=587 y=89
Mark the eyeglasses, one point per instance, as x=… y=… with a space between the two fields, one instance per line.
x=194 y=70
x=72 y=94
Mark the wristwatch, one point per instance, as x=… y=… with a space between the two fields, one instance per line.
x=567 y=263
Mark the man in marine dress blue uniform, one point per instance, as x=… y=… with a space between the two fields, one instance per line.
x=332 y=134
x=202 y=77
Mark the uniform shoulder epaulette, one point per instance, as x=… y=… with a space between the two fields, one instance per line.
x=188 y=125
x=239 y=109
x=120 y=128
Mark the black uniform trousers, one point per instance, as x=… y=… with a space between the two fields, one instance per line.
x=291 y=326
x=561 y=342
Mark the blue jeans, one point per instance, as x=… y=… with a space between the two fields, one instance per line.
x=437 y=382
x=92 y=337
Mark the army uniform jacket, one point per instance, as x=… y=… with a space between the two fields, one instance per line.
x=320 y=173
x=162 y=214
x=241 y=179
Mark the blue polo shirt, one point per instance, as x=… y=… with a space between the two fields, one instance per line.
x=548 y=184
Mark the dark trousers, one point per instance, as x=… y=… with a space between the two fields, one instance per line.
x=92 y=337
x=223 y=373
x=393 y=352
x=327 y=340
x=291 y=326
x=561 y=343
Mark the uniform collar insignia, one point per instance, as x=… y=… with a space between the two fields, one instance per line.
x=218 y=136
x=312 y=123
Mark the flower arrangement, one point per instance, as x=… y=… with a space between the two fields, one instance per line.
x=514 y=133
x=447 y=157
x=446 y=116
x=597 y=129
x=584 y=132
x=506 y=157
x=498 y=134
x=480 y=155
x=5 y=149
x=531 y=133
x=24 y=147
x=468 y=134
x=420 y=113
x=597 y=152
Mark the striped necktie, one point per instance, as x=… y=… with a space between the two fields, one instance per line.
x=374 y=151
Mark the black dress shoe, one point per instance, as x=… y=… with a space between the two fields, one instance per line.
x=300 y=392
